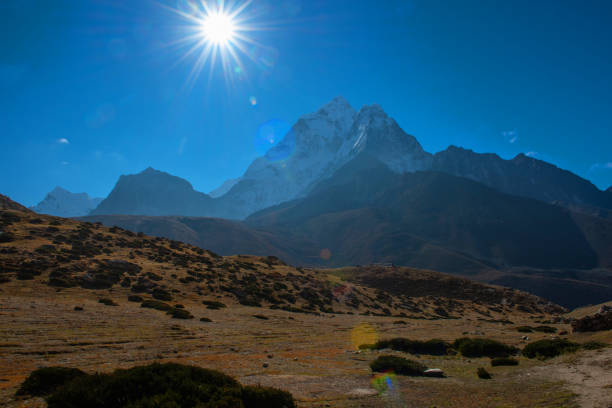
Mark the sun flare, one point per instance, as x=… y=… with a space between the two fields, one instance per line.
x=218 y=28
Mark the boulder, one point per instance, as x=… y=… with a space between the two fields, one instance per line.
x=602 y=320
x=433 y=372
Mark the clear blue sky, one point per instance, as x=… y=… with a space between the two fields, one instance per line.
x=494 y=76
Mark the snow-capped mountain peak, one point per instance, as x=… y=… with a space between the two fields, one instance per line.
x=316 y=146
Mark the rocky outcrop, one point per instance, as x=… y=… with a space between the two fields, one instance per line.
x=602 y=320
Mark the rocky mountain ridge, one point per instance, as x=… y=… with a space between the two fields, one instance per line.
x=62 y=203
x=321 y=142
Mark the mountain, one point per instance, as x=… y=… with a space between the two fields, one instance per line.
x=317 y=145
x=366 y=213
x=63 y=203
x=224 y=188
x=523 y=176
x=320 y=143
x=152 y=192
x=609 y=190
x=52 y=253
x=365 y=201
x=225 y=237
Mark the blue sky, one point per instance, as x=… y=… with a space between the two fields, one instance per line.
x=90 y=90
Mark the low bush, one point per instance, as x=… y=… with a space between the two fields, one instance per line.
x=213 y=304
x=156 y=304
x=107 y=302
x=44 y=381
x=524 y=329
x=483 y=374
x=470 y=347
x=398 y=365
x=593 y=345
x=161 y=294
x=134 y=298
x=180 y=314
x=503 y=361
x=545 y=329
x=549 y=348
x=541 y=329
x=205 y=319
x=433 y=347
x=165 y=385
x=262 y=317
x=263 y=397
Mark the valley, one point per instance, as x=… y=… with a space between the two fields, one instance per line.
x=83 y=295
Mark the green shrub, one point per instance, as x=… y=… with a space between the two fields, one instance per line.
x=205 y=319
x=262 y=317
x=433 y=347
x=165 y=385
x=524 y=329
x=249 y=301
x=503 y=361
x=107 y=302
x=548 y=348
x=134 y=298
x=161 y=294
x=264 y=397
x=156 y=304
x=593 y=345
x=483 y=374
x=469 y=347
x=44 y=381
x=545 y=329
x=398 y=365
x=180 y=313
x=213 y=304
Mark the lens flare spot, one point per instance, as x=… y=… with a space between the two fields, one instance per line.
x=363 y=333
x=273 y=140
x=384 y=382
x=325 y=254
x=253 y=101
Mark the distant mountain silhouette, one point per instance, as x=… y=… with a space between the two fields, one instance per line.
x=523 y=176
x=62 y=203
x=365 y=204
x=320 y=143
x=154 y=192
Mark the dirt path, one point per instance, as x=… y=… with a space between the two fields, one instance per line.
x=588 y=374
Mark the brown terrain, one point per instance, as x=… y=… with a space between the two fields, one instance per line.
x=64 y=301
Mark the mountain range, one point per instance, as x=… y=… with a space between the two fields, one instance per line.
x=348 y=187
x=320 y=143
x=366 y=213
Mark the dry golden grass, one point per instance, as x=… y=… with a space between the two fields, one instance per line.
x=314 y=356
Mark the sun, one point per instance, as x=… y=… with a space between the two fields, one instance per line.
x=219 y=28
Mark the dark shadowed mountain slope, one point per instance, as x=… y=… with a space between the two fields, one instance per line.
x=225 y=237
x=153 y=192
x=365 y=204
x=8 y=204
x=523 y=176
x=45 y=254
